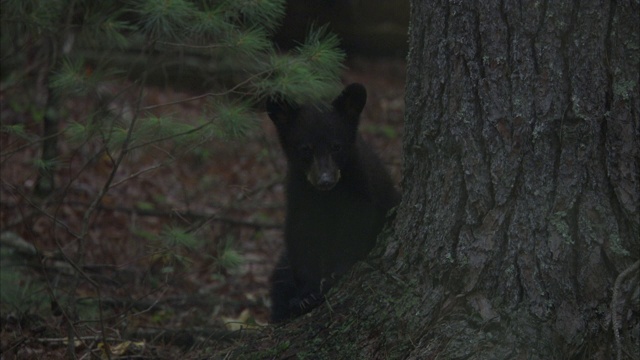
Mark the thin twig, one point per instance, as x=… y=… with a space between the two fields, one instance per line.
x=213 y=46
x=184 y=214
x=38 y=141
x=89 y=212
x=226 y=92
x=65 y=339
x=196 y=129
x=41 y=210
x=143 y=171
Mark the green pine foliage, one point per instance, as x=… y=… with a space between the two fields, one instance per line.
x=311 y=71
x=102 y=55
x=83 y=40
x=235 y=119
x=227 y=257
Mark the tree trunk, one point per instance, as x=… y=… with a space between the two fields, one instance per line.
x=522 y=166
x=521 y=194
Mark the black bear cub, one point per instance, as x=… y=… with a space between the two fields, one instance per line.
x=338 y=195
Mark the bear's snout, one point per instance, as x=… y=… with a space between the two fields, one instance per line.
x=324 y=174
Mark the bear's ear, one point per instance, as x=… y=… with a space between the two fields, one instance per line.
x=351 y=101
x=280 y=111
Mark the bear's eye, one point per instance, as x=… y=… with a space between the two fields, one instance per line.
x=336 y=148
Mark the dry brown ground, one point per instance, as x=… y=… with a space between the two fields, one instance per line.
x=231 y=195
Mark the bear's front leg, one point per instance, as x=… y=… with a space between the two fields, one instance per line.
x=284 y=291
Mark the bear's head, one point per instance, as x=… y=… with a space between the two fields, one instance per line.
x=319 y=140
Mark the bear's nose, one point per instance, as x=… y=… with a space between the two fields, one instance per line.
x=326 y=181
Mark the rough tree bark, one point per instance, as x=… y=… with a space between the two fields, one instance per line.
x=520 y=194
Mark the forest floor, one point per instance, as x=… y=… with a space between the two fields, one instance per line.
x=146 y=299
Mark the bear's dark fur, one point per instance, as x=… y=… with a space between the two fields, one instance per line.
x=338 y=195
